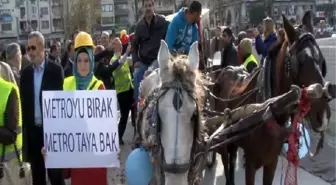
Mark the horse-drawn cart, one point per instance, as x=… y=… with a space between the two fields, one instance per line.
x=170 y=124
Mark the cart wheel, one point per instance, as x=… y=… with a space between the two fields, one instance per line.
x=211 y=159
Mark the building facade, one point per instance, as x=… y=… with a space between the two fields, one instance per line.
x=9 y=20
x=237 y=13
x=116 y=15
x=23 y=16
x=121 y=14
x=20 y=17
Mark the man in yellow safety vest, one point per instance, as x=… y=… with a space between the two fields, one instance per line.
x=245 y=54
x=123 y=84
x=10 y=122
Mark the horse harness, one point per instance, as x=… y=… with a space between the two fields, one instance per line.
x=153 y=118
x=155 y=96
x=292 y=56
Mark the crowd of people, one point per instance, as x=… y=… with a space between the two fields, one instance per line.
x=251 y=43
x=117 y=63
x=245 y=48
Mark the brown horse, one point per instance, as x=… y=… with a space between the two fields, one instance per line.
x=302 y=65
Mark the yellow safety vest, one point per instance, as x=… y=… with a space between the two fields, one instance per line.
x=5 y=90
x=249 y=59
x=122 y=77
x=70 y=84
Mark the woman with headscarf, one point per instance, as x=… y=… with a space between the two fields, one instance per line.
x=264 y=41
x=83 y=79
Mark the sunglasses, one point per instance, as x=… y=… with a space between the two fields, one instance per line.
x=32 y=48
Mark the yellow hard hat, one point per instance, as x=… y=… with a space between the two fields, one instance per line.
x=83 y=39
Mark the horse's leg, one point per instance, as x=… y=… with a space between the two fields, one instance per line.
x=225 y=160
x=269 y=171
x=233 y=150
x=250 y=172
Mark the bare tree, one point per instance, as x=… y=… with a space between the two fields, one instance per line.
x=83 y=15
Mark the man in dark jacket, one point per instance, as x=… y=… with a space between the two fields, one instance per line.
x=149 y=32
x=67 y=62
x=54 y=54
x=229 y=53
x=102 y=60
x=14 y=59
x=25 y=60
x=217 y=43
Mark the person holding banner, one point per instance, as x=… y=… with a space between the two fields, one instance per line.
x=83 y=79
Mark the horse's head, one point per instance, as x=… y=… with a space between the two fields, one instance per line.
x=306 y=65
x=178 y=108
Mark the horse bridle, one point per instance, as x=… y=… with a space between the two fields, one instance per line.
x=177 y=102
x=292 y=58
x=292 y=62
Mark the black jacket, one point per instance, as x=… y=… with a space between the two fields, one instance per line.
x=52 y=80
x=147 y=39
x=229 y=56
x=102 y=71
x=54 y=59
x=68 y=69
x=104 y=56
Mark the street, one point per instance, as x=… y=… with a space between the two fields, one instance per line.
x=216 y=175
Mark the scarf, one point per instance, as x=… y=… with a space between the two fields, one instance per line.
x=82 y=82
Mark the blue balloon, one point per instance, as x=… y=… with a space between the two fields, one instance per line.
x=304 y=141
x=139 y=168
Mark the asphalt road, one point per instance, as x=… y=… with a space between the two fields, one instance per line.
x=215 y=176
x=328 y=48
x=313 y=169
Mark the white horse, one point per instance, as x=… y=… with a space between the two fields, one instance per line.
x=178 y=105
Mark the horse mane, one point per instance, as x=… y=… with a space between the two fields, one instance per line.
x=190 y=79
x=274 y=50
x=280 y=64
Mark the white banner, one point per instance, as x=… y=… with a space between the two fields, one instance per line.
x=80 y=129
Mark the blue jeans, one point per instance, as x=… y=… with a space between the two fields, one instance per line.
x=138 y=77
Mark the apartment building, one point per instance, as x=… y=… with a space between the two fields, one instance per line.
x=116 y=15
x=45 y=16
x=121 y=12
x=8 y=20
x=107 y=14
x=57 y=18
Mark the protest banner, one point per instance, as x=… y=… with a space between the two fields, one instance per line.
x=80 y=129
